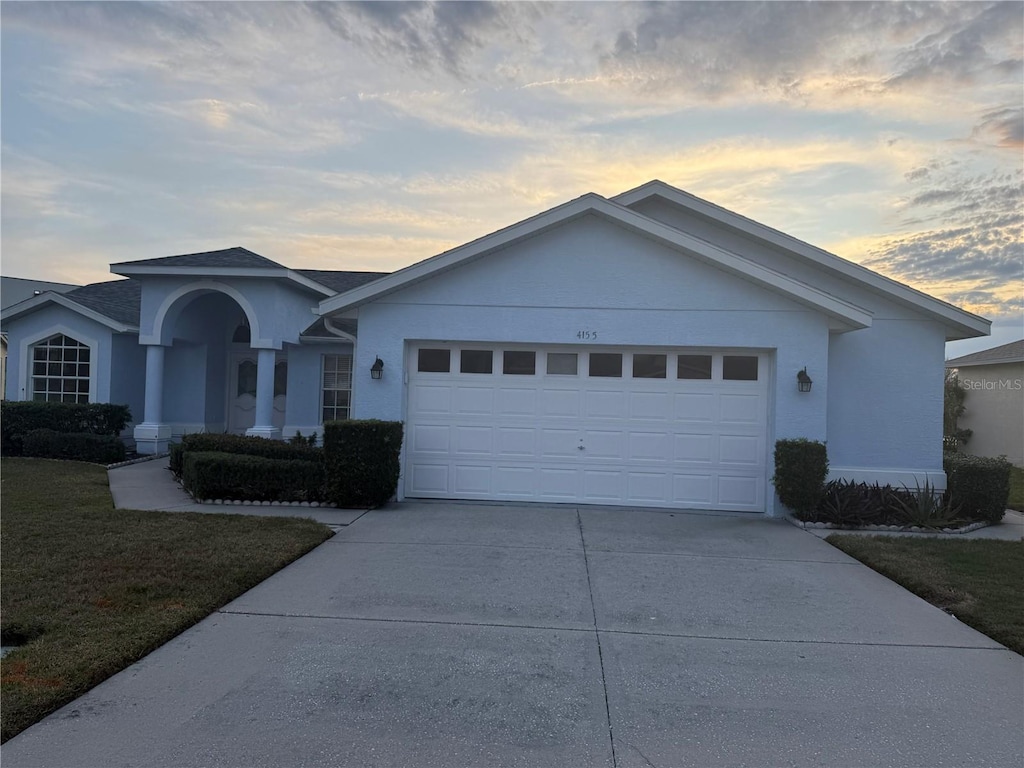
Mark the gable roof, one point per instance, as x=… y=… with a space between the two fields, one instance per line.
x=960 y=324
x=848 y=315
x=339 y=282
x=1005 y=353
x=115 y=304
x=236 y=257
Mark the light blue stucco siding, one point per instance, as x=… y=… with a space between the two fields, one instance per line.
x=27 y=330
x=128 y=374
x=305 y=371
x=593 y=275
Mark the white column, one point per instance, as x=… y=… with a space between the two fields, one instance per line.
x=153 y=436
x=264 y=426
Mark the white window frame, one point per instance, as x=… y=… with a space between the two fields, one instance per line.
x=26 y=358
x=324 y=388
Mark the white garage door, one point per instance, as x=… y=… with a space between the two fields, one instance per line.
x=645 y=427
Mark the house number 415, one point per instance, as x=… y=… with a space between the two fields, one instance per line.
x=586 y=335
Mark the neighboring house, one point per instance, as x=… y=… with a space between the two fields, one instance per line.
x=642 y=350
x=12 y=291
x=994 y=404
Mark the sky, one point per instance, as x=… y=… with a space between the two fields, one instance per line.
x=368 y=136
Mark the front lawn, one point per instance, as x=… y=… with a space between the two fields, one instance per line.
x=93 y=589
x=1016 y=500
x=980 y=581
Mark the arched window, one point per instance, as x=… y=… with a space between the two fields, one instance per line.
x=247 y=378
x=60 y=370
x=281 y=378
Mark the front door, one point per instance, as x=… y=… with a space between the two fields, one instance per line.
x=242 y=391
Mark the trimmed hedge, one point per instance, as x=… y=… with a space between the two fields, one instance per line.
x=177 y=457
x=73 y=446
x=210 y=475
x=249 y=446
x=361 y=461
x=979 y=486
x=801 y=466
x=18 y=418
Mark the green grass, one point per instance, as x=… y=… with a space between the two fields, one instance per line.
x=94 y=589
x=980 y=581
x=1016 y=500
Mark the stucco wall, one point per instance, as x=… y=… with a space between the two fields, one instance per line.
x=302 y=412
x=128 y=380
x=994 y=410
x=592 y=275
x=28 y=329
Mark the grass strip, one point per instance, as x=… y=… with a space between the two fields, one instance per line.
x=977 y=580
x=1016 y=500
x=93 y=589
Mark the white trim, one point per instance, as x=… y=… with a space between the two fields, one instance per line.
x=127 y=269
x=30 y=341
x=51 y=297
x=962 y=322
x=337 y=331
x=854 y=316
x=156 y=337
x=996 y=361
x=911 y=479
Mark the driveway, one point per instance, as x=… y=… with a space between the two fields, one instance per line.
x=434 y=634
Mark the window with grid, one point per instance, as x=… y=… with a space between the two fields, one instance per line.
x=60 y=370
x=337 y=389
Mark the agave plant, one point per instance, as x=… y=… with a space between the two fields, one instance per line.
x=924 y=507
x=845 y=502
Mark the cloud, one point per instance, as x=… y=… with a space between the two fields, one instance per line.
x=1003 y=127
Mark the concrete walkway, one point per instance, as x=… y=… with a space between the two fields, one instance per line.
x=462 y=635
x=149 y=485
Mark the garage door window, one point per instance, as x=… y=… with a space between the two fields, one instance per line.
x=519 y=363
x=693 y=367
x=434 y=361
x=606 y=365
x=477 y=361
x=649 y=366
x=739 y=367
x=562 y=363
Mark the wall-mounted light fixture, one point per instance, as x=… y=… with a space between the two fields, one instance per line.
x=803 y=381
x=377 y=369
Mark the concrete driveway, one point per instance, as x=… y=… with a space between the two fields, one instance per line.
x=458 y=635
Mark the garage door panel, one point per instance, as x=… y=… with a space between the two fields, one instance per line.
x=653 y=406
x=650 y=446
x=430 y=438
x=693 y=490
x=741 y=449
x=516 y=402
x=473 y=400
x=473 y=440
x=740 y=408
x=693 y=443
x=427 y=399
x=560 y=403
x=605 y=405
x=515 y=442
x=602 y=486
x=604 y=444
x=694 y=406
x=700 y=448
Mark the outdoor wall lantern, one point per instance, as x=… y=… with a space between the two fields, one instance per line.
x=803 y=381
x=377 y=369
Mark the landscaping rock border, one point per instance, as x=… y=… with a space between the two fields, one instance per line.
x=888 y=528
x=138 y=460
x=250 y=503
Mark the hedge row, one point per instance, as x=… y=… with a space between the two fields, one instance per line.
x=801 y=467
x=979 y=486
x=240 y=444
x=18 y=418
x=73 y=446
x=209 y=475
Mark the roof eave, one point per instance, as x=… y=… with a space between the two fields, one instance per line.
x=128 y=270
x=35 y=303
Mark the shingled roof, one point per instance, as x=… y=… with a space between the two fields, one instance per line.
x=339 y=282
x=237 y=257
x=119 y=300
x=1006 y=353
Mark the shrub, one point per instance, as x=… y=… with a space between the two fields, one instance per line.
x=845 y=502
x=18 y=418
x=361 y=461
x=925 y=507
x=177 y=456
x=249 y=446
x=73 y=446
x=801 y=467
x=979 y=486
x=210 y=475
